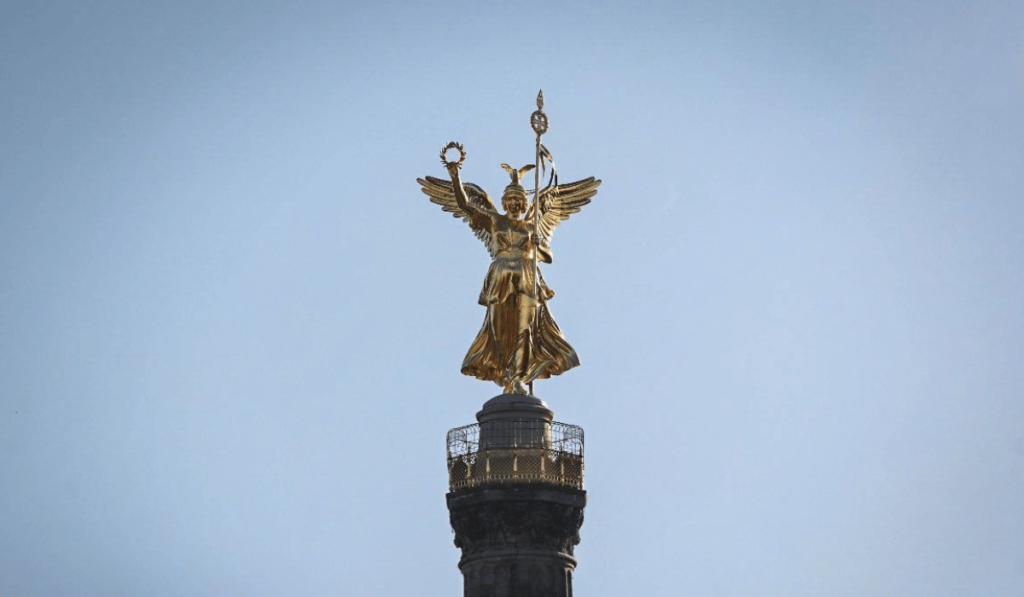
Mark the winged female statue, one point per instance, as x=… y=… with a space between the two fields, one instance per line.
x=518 y=341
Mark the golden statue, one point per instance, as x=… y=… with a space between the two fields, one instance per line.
x=518 y=341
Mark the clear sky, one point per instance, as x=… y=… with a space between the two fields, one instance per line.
x=231 y=325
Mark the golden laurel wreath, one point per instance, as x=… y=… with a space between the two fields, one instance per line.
x=444 y=157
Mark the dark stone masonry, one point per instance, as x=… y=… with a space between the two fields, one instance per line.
x=517 y=525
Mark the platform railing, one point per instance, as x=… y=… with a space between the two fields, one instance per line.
x=510 y=451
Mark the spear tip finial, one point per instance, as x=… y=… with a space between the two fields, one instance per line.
x=540 y=99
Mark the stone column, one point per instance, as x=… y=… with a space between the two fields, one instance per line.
x=517 y=538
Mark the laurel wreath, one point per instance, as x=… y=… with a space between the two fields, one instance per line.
x=444 y=156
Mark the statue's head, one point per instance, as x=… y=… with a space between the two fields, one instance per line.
x=514 y=199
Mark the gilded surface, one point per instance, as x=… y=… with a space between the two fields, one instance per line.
x=519 y=340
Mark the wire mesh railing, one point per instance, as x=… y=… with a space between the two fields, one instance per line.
x=509 y=451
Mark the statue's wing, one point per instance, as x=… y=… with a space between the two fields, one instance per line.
x=442 y=193
x=558 y=202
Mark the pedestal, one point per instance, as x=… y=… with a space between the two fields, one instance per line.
x=517 y=522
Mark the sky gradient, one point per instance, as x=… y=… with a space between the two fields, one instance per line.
x=231 y=325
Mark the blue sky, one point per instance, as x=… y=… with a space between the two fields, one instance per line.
x=231 y=325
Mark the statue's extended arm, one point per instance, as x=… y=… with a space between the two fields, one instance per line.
x=466 y=201
x=480 y=218
x=460 y=192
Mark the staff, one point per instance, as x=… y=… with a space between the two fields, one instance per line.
x=539 y=124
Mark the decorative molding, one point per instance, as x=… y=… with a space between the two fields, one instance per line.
x=500 y=519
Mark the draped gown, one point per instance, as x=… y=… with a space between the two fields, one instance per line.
x=518 y=341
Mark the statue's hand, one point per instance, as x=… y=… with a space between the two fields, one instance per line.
x=453 y=170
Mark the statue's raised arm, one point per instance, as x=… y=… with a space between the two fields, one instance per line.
x=463 y=200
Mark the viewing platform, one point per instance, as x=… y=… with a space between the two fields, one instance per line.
x=521 y=450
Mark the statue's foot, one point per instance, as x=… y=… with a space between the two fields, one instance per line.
x=518 y=388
